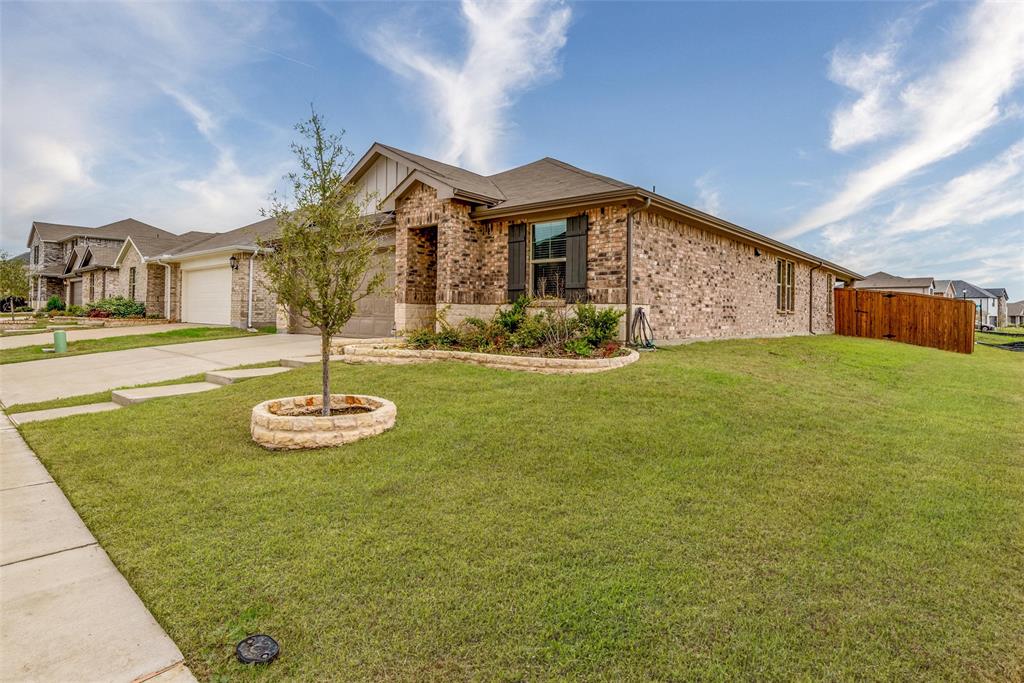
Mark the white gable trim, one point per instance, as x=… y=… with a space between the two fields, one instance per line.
x=124 y=252
x=444 y=191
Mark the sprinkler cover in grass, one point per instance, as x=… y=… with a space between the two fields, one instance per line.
x=257 y=649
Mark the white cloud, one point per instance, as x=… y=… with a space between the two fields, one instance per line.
x=873 y=76
x=940 y=113
x=709 y=198
x=85 y=113
x=511 y=46
x=992 y=190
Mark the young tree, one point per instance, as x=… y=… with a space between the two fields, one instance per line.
x=322 y=259
x=13 y=280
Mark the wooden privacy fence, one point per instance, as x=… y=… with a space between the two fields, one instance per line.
x=920 y=319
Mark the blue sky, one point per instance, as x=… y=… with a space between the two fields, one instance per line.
x=880 y=135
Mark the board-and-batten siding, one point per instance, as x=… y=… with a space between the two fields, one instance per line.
x=381 y=178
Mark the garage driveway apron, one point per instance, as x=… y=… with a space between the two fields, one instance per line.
x=44 y=380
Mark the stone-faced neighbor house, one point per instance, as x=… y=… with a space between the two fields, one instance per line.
x=989 y=302
x=76 y=263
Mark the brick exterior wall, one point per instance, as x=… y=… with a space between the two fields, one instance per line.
x=264 y=307
x=156 y=292
x=695 y=283
x=132 y=259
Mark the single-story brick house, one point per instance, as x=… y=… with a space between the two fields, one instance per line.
x=468 y=243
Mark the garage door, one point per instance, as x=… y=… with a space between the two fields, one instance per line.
x=375 y=315
x=206 y=296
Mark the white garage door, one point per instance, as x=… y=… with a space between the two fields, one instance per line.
x=206 y=296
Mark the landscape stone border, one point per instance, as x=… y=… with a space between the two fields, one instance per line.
x=289 y=423
x=396 y=355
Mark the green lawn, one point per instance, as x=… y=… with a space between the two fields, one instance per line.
x=134 y=341
x=804 y=508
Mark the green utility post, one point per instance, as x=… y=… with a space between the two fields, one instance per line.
x=60 y=341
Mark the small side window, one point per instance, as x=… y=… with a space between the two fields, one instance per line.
x=785 y=285
x=830 y=287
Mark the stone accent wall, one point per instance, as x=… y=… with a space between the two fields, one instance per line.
x=264 y=303
x=695 y=283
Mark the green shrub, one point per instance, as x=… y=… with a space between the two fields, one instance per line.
x=23 y=309
x=118 y=307
x=579 y=347
x=54 y=303
x=75 y=309
x=513 y=329
x=509 y=319
x=421 y=339
x=598 y=326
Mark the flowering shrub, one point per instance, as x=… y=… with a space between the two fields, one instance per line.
x=117 y=307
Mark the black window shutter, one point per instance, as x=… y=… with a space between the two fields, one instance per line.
x=576 y=258
x=516 y=261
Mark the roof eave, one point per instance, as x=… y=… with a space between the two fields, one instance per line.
x=664 y=204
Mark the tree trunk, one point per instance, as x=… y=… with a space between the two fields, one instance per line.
x=11 y=302
x=325 y=356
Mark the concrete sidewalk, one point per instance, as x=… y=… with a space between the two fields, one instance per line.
x=66 y=613
x=46 y=338
x=43 y=380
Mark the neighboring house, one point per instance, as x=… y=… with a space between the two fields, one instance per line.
x=144 y=277
x=885 y=282
x=944 y=288
x=1015 y=313
x=1002 y=297
x=989 y=304
x=75 y=263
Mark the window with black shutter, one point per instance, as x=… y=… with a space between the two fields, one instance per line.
x=576 y=258
x=516 y=261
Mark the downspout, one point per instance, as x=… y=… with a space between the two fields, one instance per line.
x=629 y=266
x=810 y=299
x=252 y=267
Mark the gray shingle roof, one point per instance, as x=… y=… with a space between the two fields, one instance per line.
x=55 y=232
x=549 y=179
x=963 y=289
x=1015 y=308
x=101 y=257
x=129 y=227
x=882 y=279
x=244 y=236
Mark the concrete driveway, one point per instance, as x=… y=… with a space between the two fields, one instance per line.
x=46 y=338
x=43 y=380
